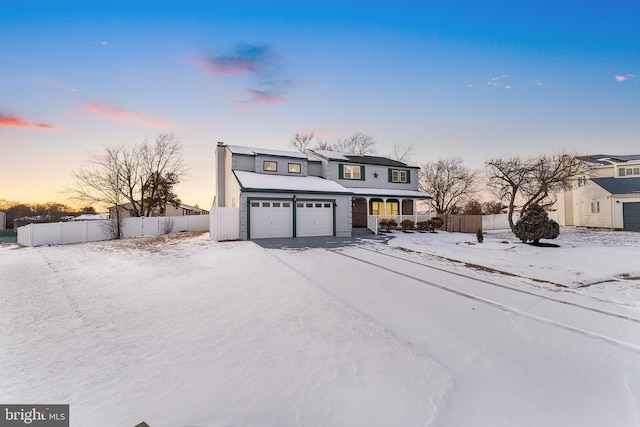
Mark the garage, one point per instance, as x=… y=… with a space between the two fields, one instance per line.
x=314 y=218
x=270 y=218
x=631 y=216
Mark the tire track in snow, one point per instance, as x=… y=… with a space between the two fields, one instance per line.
x=496 y=304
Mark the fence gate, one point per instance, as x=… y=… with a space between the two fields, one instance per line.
x=461 y=223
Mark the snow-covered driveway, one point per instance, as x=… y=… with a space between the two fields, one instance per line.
x=189 y=332
x=513 y=358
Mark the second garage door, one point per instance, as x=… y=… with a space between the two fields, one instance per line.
x=631 y=216
x=314 y=219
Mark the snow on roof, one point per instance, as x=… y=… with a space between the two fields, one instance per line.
x=385 y=192
x=91 y=217
x=608 y=159
x=331 y=155
x=262 y=181
x=252 y=151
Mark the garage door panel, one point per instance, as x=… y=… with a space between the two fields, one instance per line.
x=314 y=219
x=271 y=218
x=631 y=216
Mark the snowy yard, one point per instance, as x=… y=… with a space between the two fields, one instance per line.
x=189 y=332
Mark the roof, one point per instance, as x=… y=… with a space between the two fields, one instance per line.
x=386 y=192
x=619 y=185
x=608 y=159
x=368 y=160
x=252 y=151
x=283 y=183
x=263 y=182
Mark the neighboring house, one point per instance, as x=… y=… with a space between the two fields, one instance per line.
x=3 y=221
x=316 y=193
x=170 y=210
x=609 y=197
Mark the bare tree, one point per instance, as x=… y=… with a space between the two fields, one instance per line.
x=492 y=207
x=301 y=140
x=142 y=177
x=534 y=179
x=360 y=144
x=449 y=182
x=472 y=207
x=402 y=153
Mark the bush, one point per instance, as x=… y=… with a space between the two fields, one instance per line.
x=535 y=225
x=407 y=224
x=422 y=225
x=479 y=235
x=388 y=224
x=430 y=224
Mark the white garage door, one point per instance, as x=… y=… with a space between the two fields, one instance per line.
x=269 y=218
x=314 y=219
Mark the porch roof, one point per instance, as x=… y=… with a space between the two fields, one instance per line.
x=390 y=193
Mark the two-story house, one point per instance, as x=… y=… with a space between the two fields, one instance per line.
x=316 y=193
x=608 y=197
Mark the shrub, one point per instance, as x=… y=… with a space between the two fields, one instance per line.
x=479 y=235
x=388 y=224
x=407 y=224
x=422 y=225
x=535 y=225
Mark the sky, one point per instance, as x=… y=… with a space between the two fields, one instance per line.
x=477 y=80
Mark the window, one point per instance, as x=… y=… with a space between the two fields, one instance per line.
x=595 y=207
x=582 y=181
x=294 y=167
x=270 y=166
x=398 y=175
x=286 y=205
x=621 y=172
x=276 y=204
x=378 y=209
x=255 y=204
x=636 y=171
x=351 y=172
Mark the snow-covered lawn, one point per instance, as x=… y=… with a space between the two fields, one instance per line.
x=184 y=331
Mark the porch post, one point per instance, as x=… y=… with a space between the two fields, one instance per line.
x=384 y=203
x=401 y=210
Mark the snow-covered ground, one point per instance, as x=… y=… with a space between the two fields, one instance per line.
x=184 y=331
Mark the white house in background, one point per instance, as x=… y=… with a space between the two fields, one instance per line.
x=316 y=193
x=609 y=197
x=126 y=211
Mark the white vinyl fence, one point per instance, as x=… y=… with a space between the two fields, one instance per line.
x=62 y=233
x=225 y=224
x=500 y=221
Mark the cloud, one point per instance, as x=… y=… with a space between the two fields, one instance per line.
x=246 y=59
x=624 y=78
x=261 y=64
x=113 y=112
x=501 y=81
x=22 y=123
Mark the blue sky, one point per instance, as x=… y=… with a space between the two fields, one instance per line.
x=470 y=79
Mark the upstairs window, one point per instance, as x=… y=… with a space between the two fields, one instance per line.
x=269 y=166
x=351 y=172
x=399 y=175
x=294 y=168
x=595 y=207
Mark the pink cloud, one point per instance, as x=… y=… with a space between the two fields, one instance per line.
x=113 y=112
x=624 y=78
x=228 y=66
x=264 y=97
x=21 y=123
